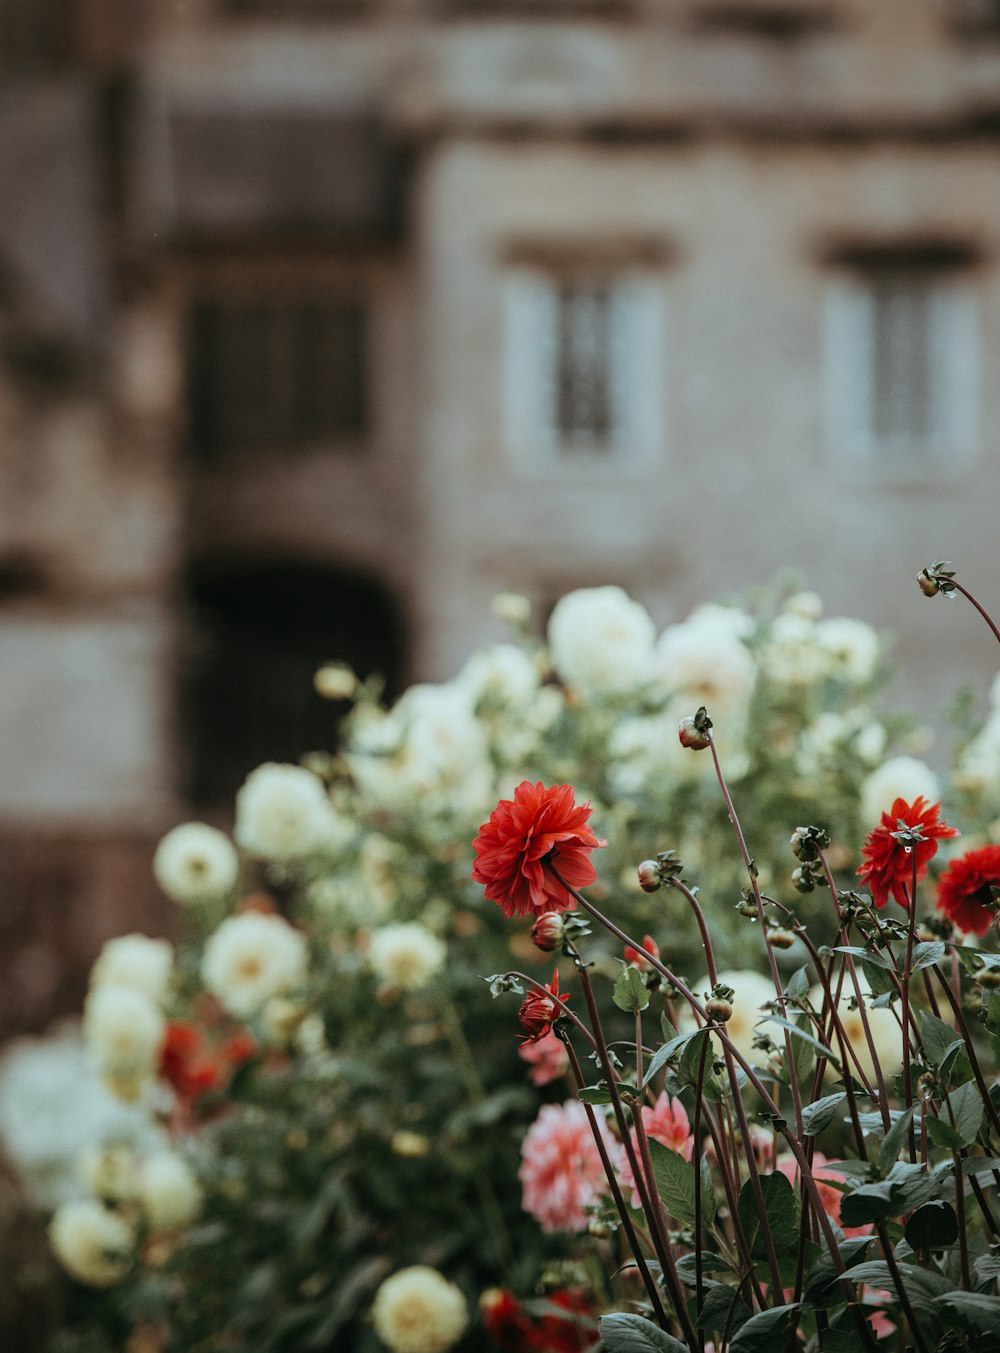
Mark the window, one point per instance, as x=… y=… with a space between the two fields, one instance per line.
x=901 y=340
x=275 y=374
x=583 y=356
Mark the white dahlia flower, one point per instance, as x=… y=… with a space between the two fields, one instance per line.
x=93 y=1245
x=110 y=1171
x=600 y=640
x=901 y=777
x=123 y=1030
x=503 y=675
x=407 y=956
x=195 y=863
x=250 y=958
x=418 y=1311
x=135 y=961
x=705 y=660
x=887 y=1036
x=283 y=812
x=168 y=1191
x=852 y=646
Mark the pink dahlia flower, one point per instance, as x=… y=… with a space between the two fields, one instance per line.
x=561 y=1171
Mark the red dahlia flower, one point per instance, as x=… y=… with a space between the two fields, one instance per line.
x=538 y=1013
x=964 y=890
x=888 y=863
x=536 y=826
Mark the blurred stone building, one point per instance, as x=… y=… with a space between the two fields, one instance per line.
x=321 y=321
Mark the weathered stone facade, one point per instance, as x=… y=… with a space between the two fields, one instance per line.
x=333 y=285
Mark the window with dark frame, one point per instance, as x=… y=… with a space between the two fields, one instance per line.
x=903 y=350
x=583 y=365
x=275 y=373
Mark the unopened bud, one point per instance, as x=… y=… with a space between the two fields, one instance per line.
x=335 y=681
x=547 y=932
x=649 y=876
x=693 y=731
x=511 y=607
x=780 y=938
x=718 y=1010
x=927 y=583
x=804 y=879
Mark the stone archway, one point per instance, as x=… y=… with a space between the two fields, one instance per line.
x=258 y=631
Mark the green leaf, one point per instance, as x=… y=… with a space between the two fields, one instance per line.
x=938 y=1038
x=867 y=1203
x=923 y=1285
x=762 y=1331
x=798 y=984
x=893 y=1141
x=967 y=1106
x=977 y=1311
x=874 y=956
x=934 y=1226
x=942 y=1133
x=630 y=990
x=991 y=1018
x=781 y=1209
x=926 y=954
x=594 y=1094
x=822 y=1285
x=669 y=1051
x=912 y=1185
x=675 y=1182
x=723 y=1306
x=820 y=1114
x=880 y=981
x=710 y=1263
x=798 y=1032
x=625 y=1333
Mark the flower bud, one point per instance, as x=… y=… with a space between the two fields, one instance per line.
x=694 y=730
x=780 y=938
x=718 y=1010
x=547 y=932
x=512 y=607
x=335 y=681
x=804 y=879
x=927 y=583
x=649 y=876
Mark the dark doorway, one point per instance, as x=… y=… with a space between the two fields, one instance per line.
x=259 y=630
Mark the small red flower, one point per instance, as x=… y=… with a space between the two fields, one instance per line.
x=888 y=863
x=964 y=890
x=637 y=958
x=537 y=825
x=538 y=1012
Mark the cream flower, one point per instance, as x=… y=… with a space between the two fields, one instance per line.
x=600 y=640
x=168 y=1191
x=901 y=777
x=195 y=863
x=503 y=675
x=791 y=653
x=135 y=961
x=123 y=1030
x=407 y=956
x=110 y=1172
x=885 y=1031
x=705 y=661
x=93 y=1245
x=283 y=813
x=853 y=647
x=418 y=1311
x=250 y=958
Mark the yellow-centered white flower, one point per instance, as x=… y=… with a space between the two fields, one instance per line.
x=250 y=958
